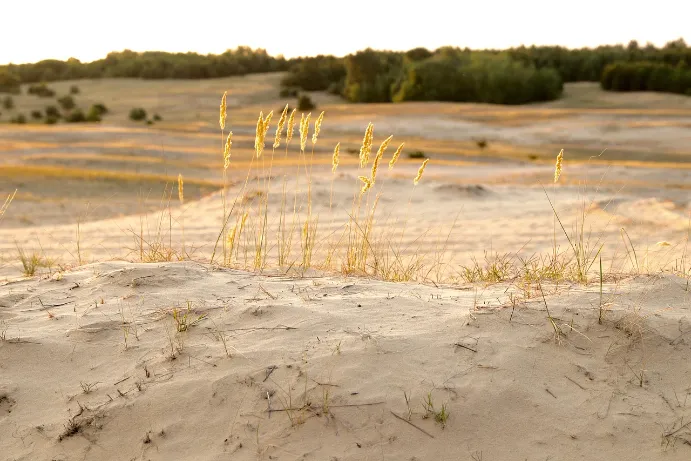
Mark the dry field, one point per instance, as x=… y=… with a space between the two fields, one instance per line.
x=484 y=313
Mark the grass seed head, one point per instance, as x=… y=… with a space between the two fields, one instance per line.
x=259 y=135
x=226 y=151
x=304 y=129
x=378 y=157
x=366 y=184
x=317 y=128
x=224 y=113
x=181 y=189
x=291 y=126
x=366 y=148
x=396 y=154
x=557 y=167
x=419 y=172
x=279 y=128
x=334 y=160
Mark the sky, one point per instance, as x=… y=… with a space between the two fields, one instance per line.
x=88 y=29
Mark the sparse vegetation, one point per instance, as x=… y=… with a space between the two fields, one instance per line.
x=67 y=103
x=18 y=119
x=41 y=90
x=36 y=114
x=305 y=103
x=417 y=154
x=8 y=102
x=137 y=114
x=76 y=116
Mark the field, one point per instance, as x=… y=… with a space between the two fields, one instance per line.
x=432 y=327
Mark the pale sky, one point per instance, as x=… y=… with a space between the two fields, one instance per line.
x=89 y=29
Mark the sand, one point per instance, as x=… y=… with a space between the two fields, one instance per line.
x=93 y=368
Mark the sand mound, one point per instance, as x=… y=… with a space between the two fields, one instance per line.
x=94 y=367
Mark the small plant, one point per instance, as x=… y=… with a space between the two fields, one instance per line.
x=19 y=119
x=74 y=89
x=157 y=118
x=442 y=415
x=481 y=143
x=36 y=114
x=40 y=90
x=67 y=102
x=94 y=115
x=52 y=111
x=87 y=387
x=100 y=107
x=8 y=102
x=137 y=114
x=76 y=116
x=417 y=154
x=305 y=103
x=181 y=318
x=50 y=120
x=30 y=263
x=149 y=122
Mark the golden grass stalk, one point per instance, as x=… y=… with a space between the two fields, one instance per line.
x=419 y=172
x=223 y=111
x=335 y=159
x=6 y=204
x=291 y=126
x=259 y=135
x=304 y=129
x=378 y=157
x=279 y=128
x=226 y=151
x=366 y=148
x=396 y=154
x=557 y=167
x=317 y=128
x=181 y=189
x=366 y=184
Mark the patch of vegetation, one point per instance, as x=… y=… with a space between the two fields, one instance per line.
x=67 y=102
x=52 y=111
x=8 y=102
x=305 y=103
x=18 y=119
x=41 y=90
x=647 y=76
x=137 y=114
x=157 y=118
x=417 y=154
x=36 y=114
x=481 y=143
x=74 y=89
x=93 y=115
x=288 y=92
x=76 y=116
x=50 y=120
x=9 y=82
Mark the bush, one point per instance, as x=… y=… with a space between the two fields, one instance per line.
x=336 y=88
x=19 y=119
x=76 y=116
x=52 y=112
x=481 y=143
x=646 y=76
x=288 y=92
x=94 y=114
x=36 y=114
x=40 y=90
x=417 y=154
x=74 y=89
x=149 y=122
x=9 y=82
x=50 y=120
x=100 y=108
x=8 y=102
x=67 y=103
x=315 y=73
x=137 y=114
x=157 y=118
x=305 y=103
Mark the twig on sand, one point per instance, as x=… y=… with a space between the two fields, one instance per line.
x=550 y=393
x=465 y=347
x=414 y=425
x=574 y=382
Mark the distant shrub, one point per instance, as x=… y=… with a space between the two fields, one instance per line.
x=481 y=143
x=19 y=119
x=305 y=103
x=288 y=92
x=100 y=108
x=149 y=122
x=67 y=102
x=36 y=114
x=53 y=112
x=40 y=90
x=76 y=116
x=94 y=114
x=50 y=120
x=336 y=88
x=647 y=76
x=137 y=114
x=74 y=89
x=8 y=102
x=9 y=82
x=353 y=151
x=157 y=118
x=417 y=154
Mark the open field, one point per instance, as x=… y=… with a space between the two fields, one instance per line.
x=486 y=312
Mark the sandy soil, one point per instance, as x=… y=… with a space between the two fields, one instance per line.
x=93 y=368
